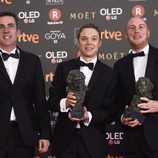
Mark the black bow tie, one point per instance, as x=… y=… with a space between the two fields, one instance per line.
x=6 y=56
x=89 y=65
x=138 y=54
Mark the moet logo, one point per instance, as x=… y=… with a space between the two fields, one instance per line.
x=155 y=13
x=82 y=15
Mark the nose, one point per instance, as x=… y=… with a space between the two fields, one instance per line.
x=6 y=29
x=137 y=29
x=89 y=41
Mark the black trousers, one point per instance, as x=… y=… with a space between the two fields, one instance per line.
x=15 y=148
x=76 y=147
x=144 y=152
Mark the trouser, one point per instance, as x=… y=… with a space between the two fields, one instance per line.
x=76 y=148
x=15 y=147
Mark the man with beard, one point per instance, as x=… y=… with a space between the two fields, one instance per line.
x=142 y=60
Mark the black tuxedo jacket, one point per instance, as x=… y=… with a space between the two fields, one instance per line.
x=125 y=70
x=27 y=97
x=99 y=100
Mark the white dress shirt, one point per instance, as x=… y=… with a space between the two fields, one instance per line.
x=11 y=65
x=139 y=63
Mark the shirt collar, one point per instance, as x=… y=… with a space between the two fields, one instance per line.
x=92 y=61
x=145 y=50
x=12 y=52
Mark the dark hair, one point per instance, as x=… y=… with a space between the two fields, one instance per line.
x=88 y=26
x=12 y=15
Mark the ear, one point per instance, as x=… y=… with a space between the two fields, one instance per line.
x=18 y=32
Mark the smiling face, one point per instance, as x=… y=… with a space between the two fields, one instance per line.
x=8 y=33
x=137 y=33
x=89 y=43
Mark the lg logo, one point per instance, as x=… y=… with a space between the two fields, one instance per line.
x=6 y=1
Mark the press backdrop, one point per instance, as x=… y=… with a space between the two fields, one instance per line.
x=49 y=27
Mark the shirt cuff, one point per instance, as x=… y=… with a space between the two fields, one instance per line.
x=90 y=118
x=63 y=105
x=122 y=119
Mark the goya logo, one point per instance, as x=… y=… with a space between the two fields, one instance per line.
x=55 y=35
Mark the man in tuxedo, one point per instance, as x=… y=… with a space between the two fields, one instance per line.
x=142 y=60
x=24 y=119
x=83 y=137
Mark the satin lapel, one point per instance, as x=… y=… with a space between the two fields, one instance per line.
x=130 y=73
x=76 y=63
x=3 y=70
x=20 y=68
x=95 y=76
x=150 y=66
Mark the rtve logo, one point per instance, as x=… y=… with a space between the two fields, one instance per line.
x=106 y=34
x=116 y=35
x=49 y=77
x=30 y=38
x=6 y=1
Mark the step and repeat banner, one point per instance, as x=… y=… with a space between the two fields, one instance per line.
x=49 y=28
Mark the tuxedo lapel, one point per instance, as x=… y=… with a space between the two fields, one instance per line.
x=94 y=78
x=3 y=71
x=150 y=65
x=21 y=65
x=76 y=64
x=129 y=72
x=20 y=68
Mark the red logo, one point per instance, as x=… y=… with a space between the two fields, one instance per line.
x=6 y=1
x=55 y=14
x=138 y=11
